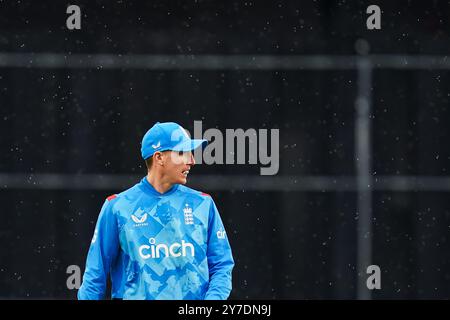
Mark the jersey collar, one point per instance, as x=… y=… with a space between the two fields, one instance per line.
x=148 y=188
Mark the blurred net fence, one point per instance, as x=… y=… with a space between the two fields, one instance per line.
x=363 y=165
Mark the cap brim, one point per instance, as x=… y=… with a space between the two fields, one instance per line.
x=190 y=145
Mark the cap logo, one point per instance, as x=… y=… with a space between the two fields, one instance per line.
x=157 y=145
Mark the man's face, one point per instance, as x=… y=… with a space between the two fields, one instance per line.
x=177 y=165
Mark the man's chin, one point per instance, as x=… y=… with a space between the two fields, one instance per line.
x=182 y=181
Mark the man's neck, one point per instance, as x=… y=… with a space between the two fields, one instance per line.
x=158 y=182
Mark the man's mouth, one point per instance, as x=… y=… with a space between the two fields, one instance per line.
x=185 y=173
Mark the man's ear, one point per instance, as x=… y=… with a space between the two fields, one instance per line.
x=158 y=158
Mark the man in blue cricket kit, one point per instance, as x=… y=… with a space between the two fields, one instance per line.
x=160 y=239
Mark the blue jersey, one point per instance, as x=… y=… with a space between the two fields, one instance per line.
x=159 y=246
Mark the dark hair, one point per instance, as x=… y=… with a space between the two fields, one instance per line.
x=148 y=162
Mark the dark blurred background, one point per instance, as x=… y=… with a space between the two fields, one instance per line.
x=70 y=137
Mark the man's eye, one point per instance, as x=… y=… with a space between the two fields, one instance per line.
x=180 y=153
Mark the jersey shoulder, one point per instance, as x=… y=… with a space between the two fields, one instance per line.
x=111 y=197
x=194 y=192
x=134 y=191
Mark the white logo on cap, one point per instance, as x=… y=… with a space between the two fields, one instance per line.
x=157 y=145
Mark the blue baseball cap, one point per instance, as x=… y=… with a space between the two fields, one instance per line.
x=168 y=136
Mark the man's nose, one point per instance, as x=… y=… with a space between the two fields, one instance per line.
x=191 y=160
